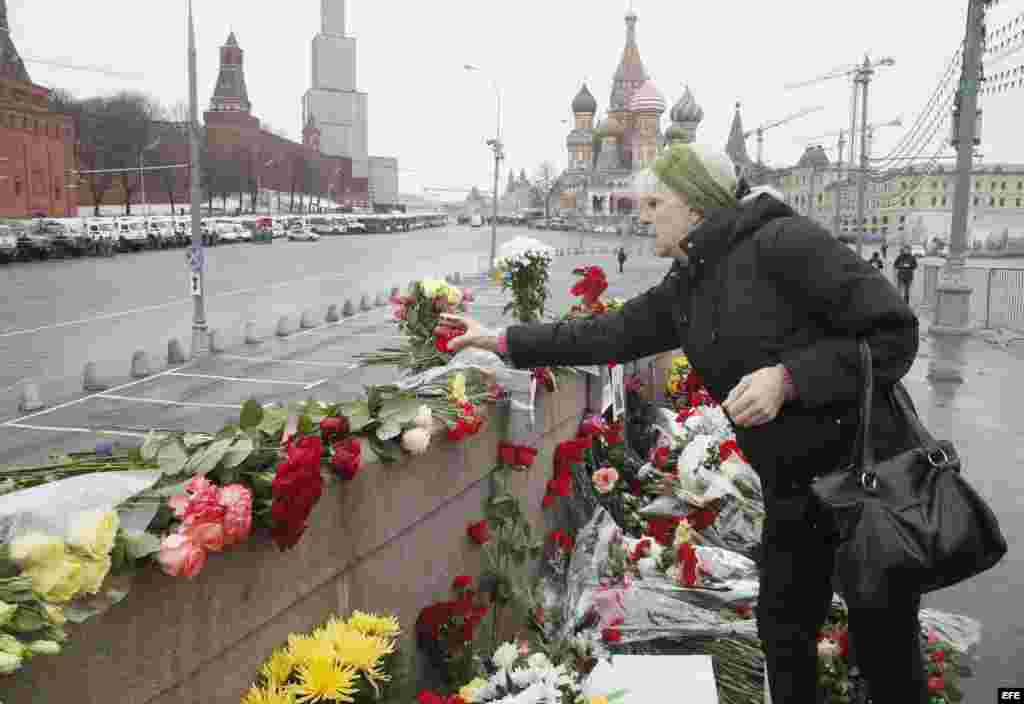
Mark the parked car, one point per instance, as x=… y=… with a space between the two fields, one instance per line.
x=352 y=225
x=131 y=233
x=476 y=220
x=8 y=244
x=299 y=231
x=918 y=250
x=34 y=246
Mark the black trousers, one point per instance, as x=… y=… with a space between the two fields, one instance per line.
x=796 y=593
x=903 y=285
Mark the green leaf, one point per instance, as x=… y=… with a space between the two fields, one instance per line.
x=388 y=450
x=400 y=410
x=139 y=544
x=306 y=426
x=273 y=421
x=252 y=415
x=239 y=452
x=206 y=460
x=357 y=413
x=389 y=430
x=152 y=444
x=172 y=457
x=194 y=440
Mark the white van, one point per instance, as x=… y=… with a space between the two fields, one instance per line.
x=477 y=220
x=132 y=233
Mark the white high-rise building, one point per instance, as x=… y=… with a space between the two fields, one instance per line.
x=340 y=111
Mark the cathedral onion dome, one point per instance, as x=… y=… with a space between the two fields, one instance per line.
x=647 y=99
x=687 y=109
x=584 y=102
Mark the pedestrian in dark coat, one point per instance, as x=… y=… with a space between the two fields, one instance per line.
x=905 y=265
x=768 y=307
x=876 y=261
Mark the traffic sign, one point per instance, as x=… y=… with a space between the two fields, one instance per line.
x=195 y=284
x=197 y=259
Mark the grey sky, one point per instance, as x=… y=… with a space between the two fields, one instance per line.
x=434 y=116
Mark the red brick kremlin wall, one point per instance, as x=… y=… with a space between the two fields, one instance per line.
x=36 y=150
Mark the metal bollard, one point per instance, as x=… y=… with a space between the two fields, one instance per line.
x=395 y=292
x=30 y=399
x=332 y=313
x=348 y=310
x=217 y=342
x=140 y=365
x=457 y=278
x=308 y=320
x=380 y=301
x=364 y=304
x=175 y=352
x=251 y=338
x=90 y=379
x=284 y=327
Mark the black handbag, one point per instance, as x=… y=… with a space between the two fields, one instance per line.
x=910 y=523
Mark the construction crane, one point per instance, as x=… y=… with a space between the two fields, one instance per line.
x=759 y=131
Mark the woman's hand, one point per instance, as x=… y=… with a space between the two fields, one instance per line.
x=756 y=400
x=476 y=335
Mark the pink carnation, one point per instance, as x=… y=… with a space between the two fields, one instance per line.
x=237 y=499
x=209 y=536
x=180 y=557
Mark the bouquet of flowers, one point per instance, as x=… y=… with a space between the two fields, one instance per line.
x=515 y=676
x=590 y=288
x=526 y=276
x=447 y=629
x=354 y=660
x=418 y=317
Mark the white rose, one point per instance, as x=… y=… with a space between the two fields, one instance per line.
x=415 y=441
x=506 y=655
x=828 y=648
x=539 y=660
x=424 y=418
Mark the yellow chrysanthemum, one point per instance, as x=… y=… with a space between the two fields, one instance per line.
x=94 y=532
x=431 y=287
x=323 y=679
x=302 y=648
x=457 y=388
x=454 y=296
x=56 y=581
x=271 y=695
x=374 y=625
x=34 y=549
x=278 y=668
x=94 y=571
x=364 y=653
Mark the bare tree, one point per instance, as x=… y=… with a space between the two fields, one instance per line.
x=545 y=184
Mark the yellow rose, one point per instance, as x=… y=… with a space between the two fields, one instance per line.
x=468 y=692
x=457 y=388
x=56 y=614
x=454 y=295
x=94 y=532
x=37 y=549
x=683 y=533
x=94 y=571
x=57 y=581
x=431 y=287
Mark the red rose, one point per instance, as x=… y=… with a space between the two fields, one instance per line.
x=611 y=635
x=480 y=532
x=659 y=457
x=729 y=448
x=844 y=643
x=547 y=501
x=700 y=520
x=635 y=487
x=337 y=425
x=744 y=611
x=563 y=486
x=506 y=453
x=296 y=488
x=663 y=529
x=459 y=431
x=461 y=582
x=688 y=562
x=613 y=436
x=428 y=697
x=467 y=632
x=347 y=458
x=936 y=683
x=938 y=656
x=525 y=456
x=478 y=613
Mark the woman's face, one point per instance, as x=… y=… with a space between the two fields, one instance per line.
x=672 y=218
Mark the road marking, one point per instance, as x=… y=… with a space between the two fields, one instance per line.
x=53 y=428
x=276 y=360
x=98 y=393
x=168 y=304
x=166 y=402
x=304 y=384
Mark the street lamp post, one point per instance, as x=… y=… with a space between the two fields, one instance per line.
x=198 y=253
x=864 y=74
x=496 y=145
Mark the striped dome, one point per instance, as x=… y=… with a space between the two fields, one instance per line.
x=647 y=99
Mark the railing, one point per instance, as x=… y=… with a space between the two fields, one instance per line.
x=997 y=294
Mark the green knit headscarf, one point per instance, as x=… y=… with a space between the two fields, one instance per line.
x=706 y=178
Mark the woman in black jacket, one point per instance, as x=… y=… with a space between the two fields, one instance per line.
x=768 y=307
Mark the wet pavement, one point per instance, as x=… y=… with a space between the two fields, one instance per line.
x=979 y=415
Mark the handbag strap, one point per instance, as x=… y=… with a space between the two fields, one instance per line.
x=863 y=447
x=905 y=407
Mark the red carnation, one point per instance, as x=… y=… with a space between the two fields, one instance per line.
x=460 y=430
x=938 y=656
x=480 y=532
x=611 y=635
x=337 y=425
x=688 y=561
x=347 y=457
x=936 y=683
x=506 y=453
x=547 y=501
x=525 y=456
x=461 y=582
